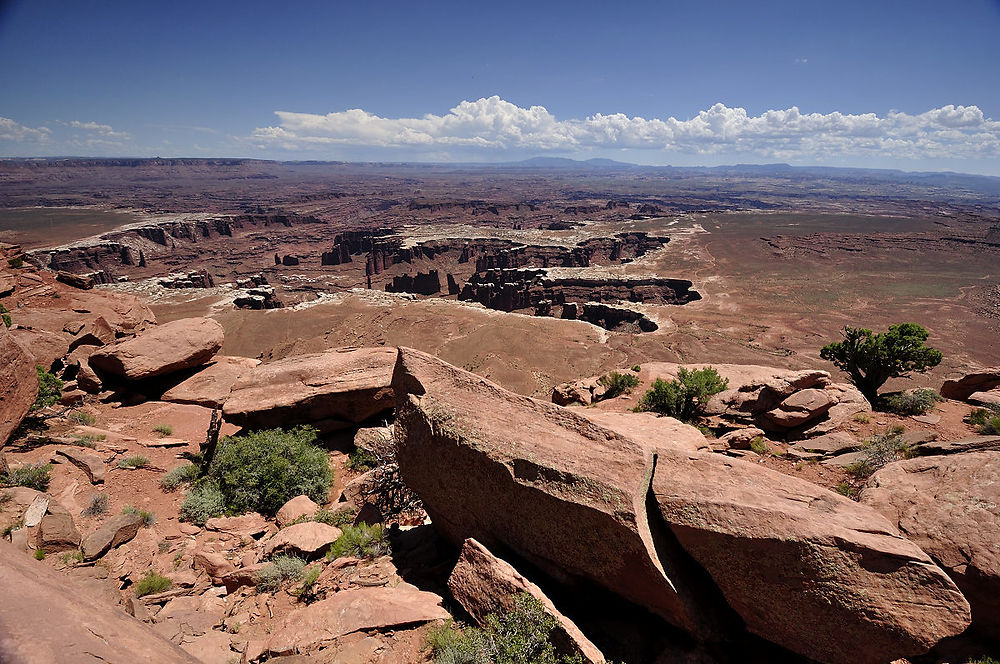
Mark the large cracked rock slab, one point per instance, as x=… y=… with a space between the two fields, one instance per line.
x=48 y=617
x=801 y=566
x=330 y=390
x=162 y=349
x=950 y=507
x=211 y=385
x=18 y=384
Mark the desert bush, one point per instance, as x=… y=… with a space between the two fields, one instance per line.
x=862 y=418
x=877 y=451
x=164 y=429
x=309 y=578
x=33 y=475
x=176 y=477
x=281 y=569
x=17 y=262
x=870 y=359
x=759 y=446
x=985 y=420
x=49 y=389
x=684 y=398
x=148 y=518
x=203 y=502
x=5 y=316
x=87 y=441
x=72 y=558
x=916 y=402
x=40 y=554
x=82 y=417
x=132 y=462
x=615 y=384
x=261 y=471
x=519 y=636
x=361 y=461
x=360 y=541
x=5 y=498
x=636 y=368
x=151 y=584
x=98 y=505
x=335 y=518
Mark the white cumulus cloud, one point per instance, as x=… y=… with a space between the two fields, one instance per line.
x=496 y=125
x=104 y=130
x=11 y=130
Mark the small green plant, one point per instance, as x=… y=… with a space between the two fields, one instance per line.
x=151 y=584
x=684 y=398
x=984 y=660
x=88 y=440
x=49 y=389
x=98 y=505
x=636 y=368
x=179 y=476
x=360 y=541
x=444 y=638
x=916 y=402
x=40 y=554
x=615 y=384
x=985 y=420
x=309 y=578
x=361 y=461
x=5 y=498
x=5 y=316
x=877 y=451
x=862 y=418
x=148 y=518
x=133 y=462
x=82 y=417
x=164 y=429
x=72 y=558
x=12 y=527
x=335 y=518
x=17 y=262
x=845 y=489
x=281 y=569
x=759 y=446
x=33 y=475
x=203 y=502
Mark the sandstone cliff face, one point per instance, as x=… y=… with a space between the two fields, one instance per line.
x=693 y=537
x=18 y=383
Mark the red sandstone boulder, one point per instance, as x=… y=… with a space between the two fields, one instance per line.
x=483 y=584
x=163 y=349
x=802 y=567
x=44 y=346
x=799 y=408
x=962 y=388
x=113 y=532
x=210 y=387
x=308 y=539
x=57 y=532
x=48 y=617
x=950 y=507
x=18 y=384
x=295 y=509
x=330 y=390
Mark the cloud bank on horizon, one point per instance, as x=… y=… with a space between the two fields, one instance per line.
x=495 y=125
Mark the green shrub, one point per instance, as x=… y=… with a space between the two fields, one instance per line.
x=261 y=471
x=17 y=262
x=49 y=389
x=916 y=402
x=879 y=450
x=164 y=429
x=148 y=518
x=281 y=569
x=361 y=460
x=203 y=502
x=360 y=541
x=88 y=441
x=309 y=578
x=72 y=558
x=985 y=420
x=759 y=446
x=151 y=584
x=519 y=636
x=335 y=518
x=862 y=418
x=98 y=505
x=175 y=477
x=636 y=368
x=39 y=554
x=132 y=462
x=684 y=398
x=615 y=384
x=33 y=475
x=984 y=660
x=5 y=316
x=5 y=498
x=82 y=417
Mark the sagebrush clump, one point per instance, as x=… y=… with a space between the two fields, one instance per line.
x=178 y=476
x=916 y=402
x=685 y=397
x=878 y=451
x=98 y=505
x=33 y=475
x=281 y=569
x=202 y=503
x=151 y=584
x=985 y=420
x=360 y=541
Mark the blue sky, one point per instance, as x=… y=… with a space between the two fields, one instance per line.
x=913 y=85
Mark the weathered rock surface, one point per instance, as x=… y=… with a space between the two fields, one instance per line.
x=973 y=444
x=18 y=384
x=650 y=429
x=801 y=566
x=243 y=526
x=213 y=563
x=309 y=539
x=113 y=532
x=44 y=346
x=583 y=392
x=950 y=508
x=483 y=584
x=989 y=398
x=210 y=387
x=962 y=388
x=351 y=611
x=57 y=532
x=46 y=617
x=91 y=464
x=799 y=408
x=163 y=349
x=740 y=439
x=295 y=509
x=329 y=390
x=830 y=444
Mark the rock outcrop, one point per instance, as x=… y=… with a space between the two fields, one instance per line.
x=18 y=384
x=962 y=388
x=211 y=385
x=950 y=507
x=330 y=390
x=113 y=532
x=799 y=565
x=163 y=349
